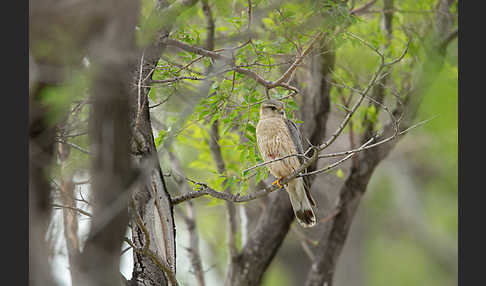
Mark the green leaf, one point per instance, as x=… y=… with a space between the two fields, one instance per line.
x=340 y=173
x=250 y=128
x=160 y=138
x=371 y=114
x=152 y=94
x=292 y=105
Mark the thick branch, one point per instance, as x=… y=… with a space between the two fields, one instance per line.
x=153 y=200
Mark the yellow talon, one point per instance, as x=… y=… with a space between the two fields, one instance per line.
x=277 y=182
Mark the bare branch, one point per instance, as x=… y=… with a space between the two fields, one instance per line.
x=330 y=216
x=160 y=103
x=401 y=56
x=75 y=146
x=335 y=164
x=297 y=61
x=363 y=9
x=272 y=161
x=72 y=208
x=139 y=84
x=76 y=134
x=448 y=39
x=367 y=147
x=195 y=49
x=182 y=67
x=179 y=78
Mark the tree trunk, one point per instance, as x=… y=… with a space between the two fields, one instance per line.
x=152 y=218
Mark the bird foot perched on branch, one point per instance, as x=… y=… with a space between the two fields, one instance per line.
x=277 y=182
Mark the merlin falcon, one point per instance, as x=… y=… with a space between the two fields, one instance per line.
x=278 y=137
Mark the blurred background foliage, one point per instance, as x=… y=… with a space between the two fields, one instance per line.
x=408 y=220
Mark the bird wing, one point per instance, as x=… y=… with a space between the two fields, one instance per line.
x=297 y=140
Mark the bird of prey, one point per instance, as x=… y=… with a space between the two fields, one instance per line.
x=277 y=137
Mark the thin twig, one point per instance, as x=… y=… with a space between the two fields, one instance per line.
x=331 y=166
x=363 y=8
x=140 y=81
x=72 y=208
x=74 y=146
x=448 y=39
x=189 y=64
x=328 y=217
x=179 y=78
x=160 y=103
x=363 y=148
x=289 y=71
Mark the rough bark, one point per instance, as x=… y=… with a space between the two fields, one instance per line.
x=151 y=199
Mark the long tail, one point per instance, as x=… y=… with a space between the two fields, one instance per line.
x=301 y=203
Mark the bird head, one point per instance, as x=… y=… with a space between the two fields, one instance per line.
x=272 y=108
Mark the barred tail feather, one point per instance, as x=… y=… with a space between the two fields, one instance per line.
x=300 y=203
